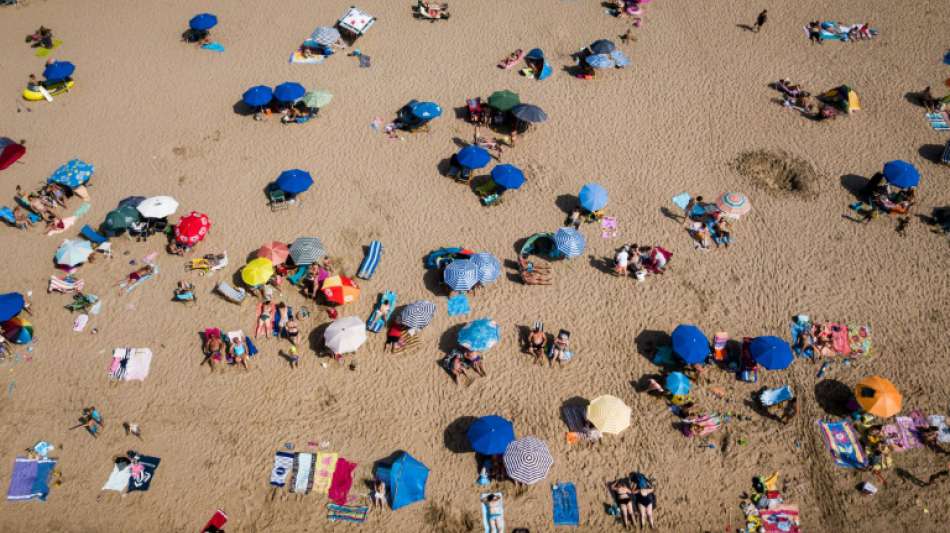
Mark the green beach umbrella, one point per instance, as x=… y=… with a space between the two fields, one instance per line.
x=120 y=219
x=317 y=98
x=504 y=100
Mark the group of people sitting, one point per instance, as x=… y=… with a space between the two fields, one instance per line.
x=794 y=97
x=639 y=261
x=558 y=349
x=42 y=205
x=41 y=38
x=706 y=224
x=533 y=273
x=879 y=196
x=855 y=32
x=932 y=103
x=460 y=360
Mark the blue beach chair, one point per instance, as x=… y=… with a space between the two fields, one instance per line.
x=371 y=261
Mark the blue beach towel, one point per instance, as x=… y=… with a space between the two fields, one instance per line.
x=770 y=397
x=564 y=496
x=371 y=261
x=681 y=200
x=458 y=305
x=251 y=349
x=214 y=47
x=6 y=214
x=800 y=326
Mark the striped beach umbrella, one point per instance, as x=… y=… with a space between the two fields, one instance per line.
x=340 y=290
x=609 y=414
x=620 y=59
x=461 y=275
x=307 y=250
x=18 y=330
x=479 y=335
x=733 y=204
x=418 y=314
x=345 y=335
x=192 y=228
x=489 y=267
x=72 y=253
x=257 y=272
x=158 y=207
x=325 y=35
x=569 y=242
x=276 y=252
x=72 y=174
x=527 y=460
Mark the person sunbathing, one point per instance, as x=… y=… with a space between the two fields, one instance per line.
x=645 y=499
x=560 y=349
x=457 y=368
x=136 y=275
x=214 y=350
x=496 y=513
x=238 y=351
x=292 y=331
x=624 y=496
x=474 y=360
x=536 y=341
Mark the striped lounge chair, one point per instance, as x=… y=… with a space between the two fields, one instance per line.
x=371 y=261
x=65 y=285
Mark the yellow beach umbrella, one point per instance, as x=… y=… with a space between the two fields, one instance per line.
x=257 y=272
x=878 y=396
x=609 y=414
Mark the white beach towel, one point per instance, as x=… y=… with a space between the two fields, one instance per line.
x=303 y=473
x=943 y=432
x=130 y=364
x=118 y=479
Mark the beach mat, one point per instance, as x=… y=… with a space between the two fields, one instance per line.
x=30 y=479
x=484 y=507
x=341 y=482
x=130 y=364
x=298 y=58
x=283 y=465
x=564 y=497
x=780 y=519
x=326 y=464
x=902 y=434
x=143 y=480
x=303 y=473
x=43 y=52
x=458 y=305
x=347 y=513
x=842 y=441
x=119 y=478
x=369 y=264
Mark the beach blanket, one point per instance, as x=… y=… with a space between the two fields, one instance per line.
x=564 y=497
x=130 y=364
x=30 y=479
x=701 y=426
x=902 y=434
x=859 y=339
x=119 y=478
x=326 y=464
x=458 y=305
x=65 y=224
x=484 y=506
x=842 y=441
x=780 y=519
x=65 y=285
x=43 y=51
x=143 y=473
x=283 y=464
x=938 y=121
x=609 y=228
x=770 y=397
x=298 y=57
x=347 y=513
x=82 y=209
x=341 y=482
x=303 y=473
x=940 y=422
x=213 y=47
x=832 y=31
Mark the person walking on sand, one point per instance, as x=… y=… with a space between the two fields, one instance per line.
x=760 y=21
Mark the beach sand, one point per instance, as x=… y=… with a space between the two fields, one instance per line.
x=156 y=116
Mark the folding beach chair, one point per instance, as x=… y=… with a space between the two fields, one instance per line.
x=368 y=266
x=277 y=199
x=234 y=295
x=65 y=285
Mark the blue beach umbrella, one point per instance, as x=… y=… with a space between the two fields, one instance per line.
x=461 y=275
x=593 y=197
x=677 y=383
x=569 y=242
x=202 y=22
x=294 y=181
x=132 y=201
x=620 y=58
x=479 y=335
x=289 y=91
x=473 y=157
x=257 y=96
x=425 y=110
x=11 y=304
x=771 y=352
x=489 y=267
x=490 y=435
x=902 y=174
x=74 y=173
x=602 y=46
x=58 y=70
x=507 y=176
x=690 y=343
x=600 y=61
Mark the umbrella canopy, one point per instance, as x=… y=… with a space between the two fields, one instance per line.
x=72 y=253
x=192 y=228
x=529 y=113
x=133 y=201
x=602 y=46
x=609 y=414
x=257 y=272
x=425 y=110
x=345 y=335
x=479 y=335
x=460 y=275
x=307 y=250
x=289 y=91
x=690 y=344
x=119 y=219
x=294 y=181
x=507 y=176
x=18 y=330
x=58 y=70
x=569 y=242
x=771 y=352
x=417 y=315
x=158 y=207
x=733 y=204
x=504 y=100
x=202 y=22
x=72 y=174
x=340 y=290
x=620 y=59
x=11 y=304
x=10 y=152
x=406 y=478
x=878 y=396
x=490 y=435
x=593 y=197
x=600 y=61
x=473 y=157
x=325 y=35
x=527 y=460
x=318 y=98
x=276 y=252
x=902 y=174
x=489 y=267
x=257 y=96
x=677 y=384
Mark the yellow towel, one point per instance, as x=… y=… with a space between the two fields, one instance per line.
x=326 y=465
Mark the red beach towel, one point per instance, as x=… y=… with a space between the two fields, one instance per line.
x=342 y=481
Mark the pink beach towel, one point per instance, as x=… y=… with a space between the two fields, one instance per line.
x=902 y=434
x=342 y=481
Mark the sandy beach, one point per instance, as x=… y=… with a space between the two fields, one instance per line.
x=157 y=116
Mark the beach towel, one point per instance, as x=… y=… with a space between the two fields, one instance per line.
x=701 y=426
x=80 y=323
x=902 y=434
x=119 y=478
x=681 y=200
x=143 y=473
x=780 y=519
x=770 y=397
x=564 y=497
x=341 y=482
x=938 y=121
x=217 y=522
x=303 y=473
x=129 y=287
x=365 y=61
x=801 y=326
x=609 y=227
x=347 y=513
x=82 y=209
x=323 y=475
x=368 y=266
x=839 y=338
x=484 y=506
x=43 y=52
x=65 y=224
x=859 y=339
x=458 y=305
x=213 y=47
x=67 y=284
x=30 y=479
x=842 y=441
x=130 y=364
x=943 y=432
x=283 y=464
x=298 y=57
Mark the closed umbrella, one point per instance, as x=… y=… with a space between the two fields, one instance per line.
x=294 y=181
x=602 y=46
x=318 y=98
x=878 y=396
x=345 y=335
x=609 y=414
x=527 y=460
x=479 y=335
x=72 y=174
x=473 y=157
x=203 y=22
x=306 y=250
x=11 y=304
x=425 y=110
x=158 y=207
x=257 y=272
x=192 y=228
x=733 y=204
x=677 y=384
x=460 y=275
x=325 y=35
x=276 y=252
x=902 y=174
x=72 y=253
x=507 y=176
x=258 y=96
x=503 y=100
x=489 y=267
x=529 y=113
x=771 y=352
x=593 y=197
x=490 y=435
x=121 y=218
x=690 y=344
x=18 y=330
x=340 y=290
x=289 y=91
x=569 y=242
x=58 y=71
x=418 y=314
x=600 y=61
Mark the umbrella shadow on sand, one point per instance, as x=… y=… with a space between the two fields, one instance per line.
x=572 y=404
x=454 y=437
x=932 y=153
x=315 y=340
x=855 y=185
x=450 y=338
x=648 y=341
x=567 y=203
x=834 y=397
x=240 y=108
x=432 y=279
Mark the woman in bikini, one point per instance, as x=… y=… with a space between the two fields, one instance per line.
x=263 y=320
x=214 y=350
x=536 y=342
x=646 y=500
x=625 y=500
x=239 y=352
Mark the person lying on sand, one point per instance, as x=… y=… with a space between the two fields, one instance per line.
x=474 y=360
x=214 y=350
x=536 y=341
x=623 y=493
x=238 y=351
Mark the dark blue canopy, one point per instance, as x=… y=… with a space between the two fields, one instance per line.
x=289 y=91
x=294 y=181
x=602 y=46
x=507 y=176
x=472 y=157
x=58 y=70
x=204 y=21
x=902 y=174
x=258 y=96
x=132 y=201
x=690 y=343
x=771 y=352
x=490 y=435
x=11 y=304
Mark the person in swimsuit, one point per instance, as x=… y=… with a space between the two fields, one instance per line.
x=536 y=342
x=625 y=500
x=393 y=336
x=496 y=513
x=379 y=494
x=646 y=500
x=263 y=321
x=239 y=351
x=291 y=331
x=214 y=350
x=474 y=360
x=135 y=276
x=559 y=349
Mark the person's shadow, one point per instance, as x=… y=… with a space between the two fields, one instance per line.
x=745 y=27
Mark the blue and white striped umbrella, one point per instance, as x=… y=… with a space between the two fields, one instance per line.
x=479 y=335
x=72 y=253
x=325 y=35
x=569 y=242
x=600 y=61
x=461 y=275
x=73 y=174
x=307 y=250
x=528 y=460
x=417 y=315
x=489 y=267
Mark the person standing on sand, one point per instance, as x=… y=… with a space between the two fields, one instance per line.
x=760 y=21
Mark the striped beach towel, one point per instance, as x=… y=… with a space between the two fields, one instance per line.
x=842 y=441
x=283 y=464
x=347 y=513
x=323 y=475
x=65 y=285
x=303 y=473
x=130 y=364
x=373 y=254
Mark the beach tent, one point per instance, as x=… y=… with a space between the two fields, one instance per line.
x=406 y=479
x=541 y=244
x=490 y=435
x=878 y=396
x=445 y=255
x=535 y=58
x=356 y=22
x=11 y=304
x=844 y=98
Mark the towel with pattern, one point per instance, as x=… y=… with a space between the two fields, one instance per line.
x=342 y=481
x=283 y=464
x=130 y=364
x=943 y=432
x=323 y=475
x=902 y=434
x=143 y=473
x=842 y=441
x=780 y=519
x=303 y=473
x=347 y=513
